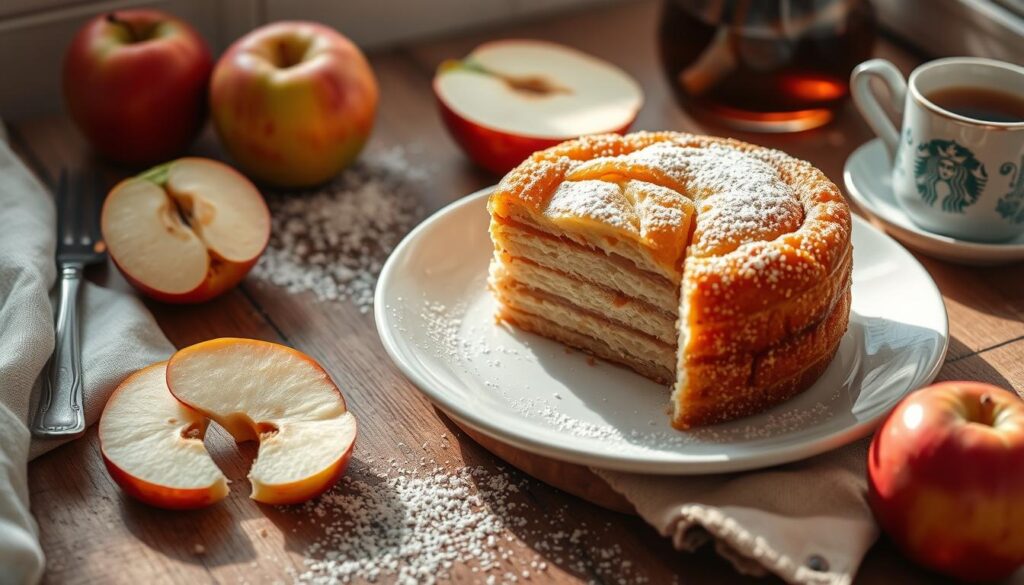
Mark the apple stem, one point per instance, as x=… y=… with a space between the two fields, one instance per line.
x=283 y=57
x=157 y=174
x=133 y=35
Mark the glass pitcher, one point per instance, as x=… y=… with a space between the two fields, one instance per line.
x=764 y=65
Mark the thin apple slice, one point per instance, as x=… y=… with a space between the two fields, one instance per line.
x=152 y=445
x=185 y=231
x=278 y=396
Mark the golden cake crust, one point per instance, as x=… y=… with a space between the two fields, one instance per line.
x=757 y=241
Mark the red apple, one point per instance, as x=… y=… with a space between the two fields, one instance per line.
x=508 y=99
x=186 y=231
x=135 y=84
x=293 y=102
x=946 y=479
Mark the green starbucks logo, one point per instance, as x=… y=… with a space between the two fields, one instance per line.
x=1011 y=206
x=947 y=172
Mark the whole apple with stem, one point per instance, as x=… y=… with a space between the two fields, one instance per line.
x=135 y=83
x=293 y=103
x=946 y=479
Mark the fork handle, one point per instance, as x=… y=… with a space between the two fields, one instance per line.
x=61 y=411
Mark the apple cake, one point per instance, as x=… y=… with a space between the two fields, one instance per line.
x=718 y=266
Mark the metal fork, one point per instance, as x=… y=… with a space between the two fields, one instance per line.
x=79 y=197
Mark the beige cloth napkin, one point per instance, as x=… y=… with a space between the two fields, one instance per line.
x=118 y=336
x=807 y=522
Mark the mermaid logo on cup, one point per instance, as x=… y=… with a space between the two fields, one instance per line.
x=1011 y=206
x=949 y=173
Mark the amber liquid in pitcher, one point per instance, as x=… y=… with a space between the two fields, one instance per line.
x=765 y=65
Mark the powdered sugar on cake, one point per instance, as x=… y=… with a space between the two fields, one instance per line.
x=595 y=201
x=741 y=198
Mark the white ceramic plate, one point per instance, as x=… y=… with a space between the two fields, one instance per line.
x=435 y=318
x=867 y=178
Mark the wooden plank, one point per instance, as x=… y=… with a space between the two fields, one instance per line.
x=985 y=305
x=1002 y=366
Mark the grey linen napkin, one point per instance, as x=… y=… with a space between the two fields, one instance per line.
x=119 y=336
x=807 y=522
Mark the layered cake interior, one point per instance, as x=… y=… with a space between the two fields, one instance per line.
x=713 y=265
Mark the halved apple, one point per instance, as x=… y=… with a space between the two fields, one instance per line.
x=279 y=396
x=185 y=231
x=510 y=98
x=152 y=445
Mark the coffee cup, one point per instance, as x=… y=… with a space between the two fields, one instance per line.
x=958 y=162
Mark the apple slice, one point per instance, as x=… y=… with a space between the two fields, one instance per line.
x=510 y=98
x=152 y=445
x=278 y=396
x=186 y=231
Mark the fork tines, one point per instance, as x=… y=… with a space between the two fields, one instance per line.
x=79 y=201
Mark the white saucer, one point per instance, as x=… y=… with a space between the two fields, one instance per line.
x=435 y=318
x=867 y=179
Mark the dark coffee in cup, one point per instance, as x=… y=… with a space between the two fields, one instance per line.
x=987 y=105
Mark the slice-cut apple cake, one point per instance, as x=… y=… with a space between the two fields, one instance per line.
x=713 y=264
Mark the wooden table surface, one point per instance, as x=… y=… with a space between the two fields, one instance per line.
x=92 y=533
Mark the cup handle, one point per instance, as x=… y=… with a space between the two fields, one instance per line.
x=867 y=101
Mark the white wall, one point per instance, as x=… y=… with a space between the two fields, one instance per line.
x=34 y=33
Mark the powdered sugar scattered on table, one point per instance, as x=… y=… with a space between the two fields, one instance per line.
x=334 y=240
x=412 y=523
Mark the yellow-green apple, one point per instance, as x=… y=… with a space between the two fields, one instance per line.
x=510 y=98
x=293 y=102
x=946 y=479
x=135 y=84
x=185 y=231
x=278 y=396
x=152 y=445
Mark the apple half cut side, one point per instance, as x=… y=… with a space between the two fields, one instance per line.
x=186 y=231
x=508 y=99
x=281 y=397
x=153 y=447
